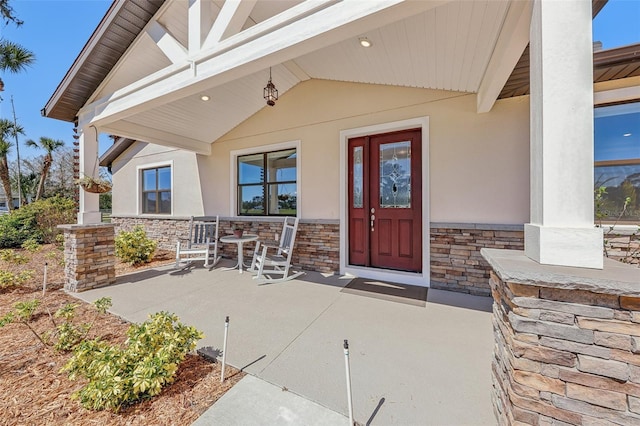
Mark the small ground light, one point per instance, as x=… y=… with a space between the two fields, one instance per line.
x=205 y=98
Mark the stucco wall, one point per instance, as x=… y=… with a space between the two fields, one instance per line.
x=186 y=194
x=478 y=163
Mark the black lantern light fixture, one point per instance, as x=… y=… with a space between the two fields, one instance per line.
x=270 y=93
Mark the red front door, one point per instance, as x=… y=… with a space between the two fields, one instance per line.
x=385 y=201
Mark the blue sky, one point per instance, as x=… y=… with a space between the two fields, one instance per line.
x=56 y=31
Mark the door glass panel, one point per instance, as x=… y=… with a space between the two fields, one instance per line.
x=395 y=175
x=357 y=177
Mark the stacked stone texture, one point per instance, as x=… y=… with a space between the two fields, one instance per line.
x=623 y=246
x=565 y=356
x=317 y=245
x=89 y=255
x=165 y=231
x=456 y=263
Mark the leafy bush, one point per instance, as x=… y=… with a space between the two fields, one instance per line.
x=11 y=256
x=37 y=221
x=121 y=376
x=66 y=334
x=31 y=245
x=70 y=334
x=135 y=247
x=7 y=279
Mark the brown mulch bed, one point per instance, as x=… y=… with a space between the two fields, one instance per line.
x=32 y=389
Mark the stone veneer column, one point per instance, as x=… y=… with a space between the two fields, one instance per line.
x=89 y=256
x=567 y=342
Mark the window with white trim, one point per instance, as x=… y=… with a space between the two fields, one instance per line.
x=617 y=161
x=156 y=190
x=267 y=183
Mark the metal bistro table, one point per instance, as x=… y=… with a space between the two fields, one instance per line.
x=239 y=241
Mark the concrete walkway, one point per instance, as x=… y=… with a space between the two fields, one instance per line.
x=410 y=365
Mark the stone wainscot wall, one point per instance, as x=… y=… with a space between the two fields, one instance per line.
x=567 y=342
x=456 y=263
x=317 y=246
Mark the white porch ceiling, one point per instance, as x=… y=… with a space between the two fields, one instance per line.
x=447 y=47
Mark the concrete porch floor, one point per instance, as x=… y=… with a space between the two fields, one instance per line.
x=410 y=365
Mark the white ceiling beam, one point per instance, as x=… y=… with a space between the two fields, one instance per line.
x=138 y=132
x=200 y=16
x=296 y=70
x=512 y=41
x=232 y=16
x=278 y=42
x=171 y=47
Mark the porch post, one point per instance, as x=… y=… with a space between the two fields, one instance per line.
x=89 y=209
x=562 y=229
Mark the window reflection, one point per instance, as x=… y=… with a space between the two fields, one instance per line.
x=617 y=161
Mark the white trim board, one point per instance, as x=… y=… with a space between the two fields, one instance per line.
x=419 y=279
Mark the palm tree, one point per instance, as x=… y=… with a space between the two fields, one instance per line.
x=7 y=129
x=49 y=145
x=14 y=58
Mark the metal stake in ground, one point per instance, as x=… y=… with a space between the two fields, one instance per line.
x=44 y=282
x=224 y=348
x=348 y=372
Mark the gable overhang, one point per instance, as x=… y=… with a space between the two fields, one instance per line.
x=467 y=47
x=305 y=28
x=119 y=27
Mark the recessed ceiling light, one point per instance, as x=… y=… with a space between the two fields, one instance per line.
x=626 y=135
x=205 y=98
x=365 y=42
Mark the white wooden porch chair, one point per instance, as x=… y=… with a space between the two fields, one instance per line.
x=272 y=260
x=202 y=243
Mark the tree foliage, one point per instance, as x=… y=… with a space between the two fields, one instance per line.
x=48 y=145
x=8 y=14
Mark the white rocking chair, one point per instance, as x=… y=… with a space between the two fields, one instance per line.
x=202 y=243
x=274 y=259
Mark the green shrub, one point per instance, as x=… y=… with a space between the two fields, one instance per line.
x=135 y=247
x=8 y=279
x=148 y=361
x=31 y=245
x=11 y=256
x=59 y=242
x=17 y=227
x=66 y=334
x=37 y=221
x=50 y=213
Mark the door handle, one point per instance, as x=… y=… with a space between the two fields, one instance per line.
x=373 y=217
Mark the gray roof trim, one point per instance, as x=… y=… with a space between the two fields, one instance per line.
x=119 y=146
x=119 y=27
